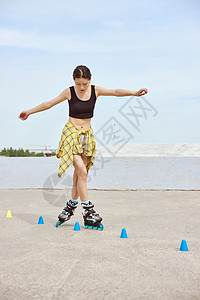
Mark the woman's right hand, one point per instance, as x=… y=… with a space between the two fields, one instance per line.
x=24 y=115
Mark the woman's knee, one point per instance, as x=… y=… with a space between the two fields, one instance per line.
x=82 y=172
x=80 y=167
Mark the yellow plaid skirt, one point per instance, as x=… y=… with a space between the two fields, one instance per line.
x=70 y=143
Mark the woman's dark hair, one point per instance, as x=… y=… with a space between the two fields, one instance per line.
x=82 y=72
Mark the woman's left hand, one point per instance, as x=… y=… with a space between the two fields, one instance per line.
x=141 y=92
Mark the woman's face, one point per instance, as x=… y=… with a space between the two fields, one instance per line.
x=82 y=84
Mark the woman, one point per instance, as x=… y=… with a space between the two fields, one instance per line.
x=77 y=143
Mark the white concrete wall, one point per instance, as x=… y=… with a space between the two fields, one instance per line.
x=145 y=170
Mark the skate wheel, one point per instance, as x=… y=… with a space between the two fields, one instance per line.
x=101 y=226
x=91 y=227
x=86 y=226
x=96 y=228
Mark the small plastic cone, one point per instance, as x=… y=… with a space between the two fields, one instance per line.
x=41 y=221
x=9 y=214
x=76 y=226
x=123 y=234
x=183 y=246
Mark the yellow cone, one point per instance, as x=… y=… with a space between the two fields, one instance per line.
x=9 y=214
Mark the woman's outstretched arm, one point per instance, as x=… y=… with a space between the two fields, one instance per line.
x=101 y=91
x=45 y=105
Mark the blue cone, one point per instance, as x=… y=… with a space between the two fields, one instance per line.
x=123 y=234
x=184 y=246
x=76 y=226
x=41 y=221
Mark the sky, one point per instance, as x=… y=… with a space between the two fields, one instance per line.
x=126 y=45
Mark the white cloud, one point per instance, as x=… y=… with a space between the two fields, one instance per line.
x=58 y=27
x=163 y=43
x=49 y=42
x=34 y=39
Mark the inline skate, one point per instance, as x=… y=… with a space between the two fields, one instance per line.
x=92 y=220
x=67 y=212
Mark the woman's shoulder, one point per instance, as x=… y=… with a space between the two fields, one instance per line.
x=68 y=92
x=96 y=88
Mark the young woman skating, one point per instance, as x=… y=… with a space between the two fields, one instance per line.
x=77 y=143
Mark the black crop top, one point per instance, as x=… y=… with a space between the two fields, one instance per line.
x=81 y=109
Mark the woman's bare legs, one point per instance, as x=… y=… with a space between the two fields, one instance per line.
x=80 y=177
x=75 y=193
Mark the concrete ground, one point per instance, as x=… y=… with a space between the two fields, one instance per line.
x=45 y=262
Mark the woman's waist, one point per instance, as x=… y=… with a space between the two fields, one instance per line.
x=80 y=124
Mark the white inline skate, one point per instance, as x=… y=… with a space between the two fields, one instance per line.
x=92 y=220
x=67 y=212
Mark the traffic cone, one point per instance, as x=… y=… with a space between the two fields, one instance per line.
x=183 y=246
x=9 y=214
x=41 y=221
x=76 y=226
x=123 y=234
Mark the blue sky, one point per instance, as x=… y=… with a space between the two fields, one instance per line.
x=126 y=45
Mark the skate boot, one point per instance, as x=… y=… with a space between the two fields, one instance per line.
x=92 y=220
x=67 y=212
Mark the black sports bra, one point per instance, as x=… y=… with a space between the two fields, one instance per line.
x=81 y=109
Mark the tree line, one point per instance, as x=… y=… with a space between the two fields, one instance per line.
x=21 y=152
